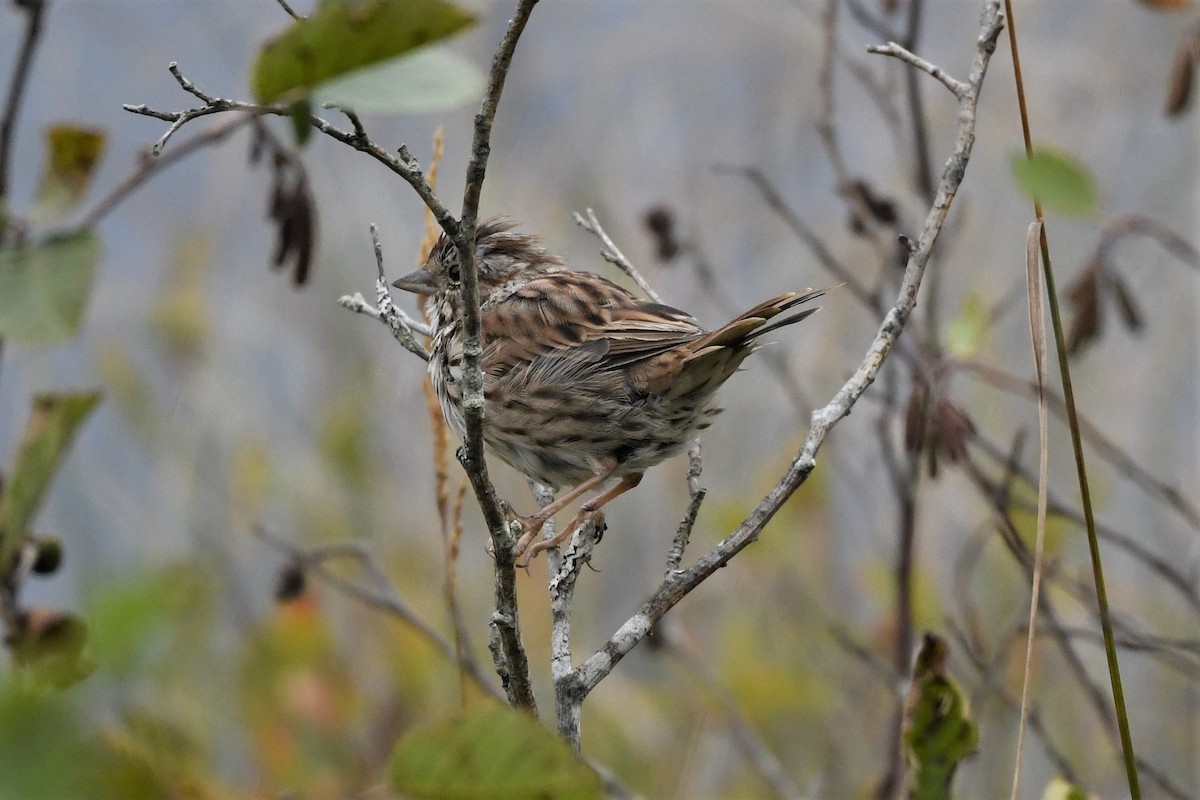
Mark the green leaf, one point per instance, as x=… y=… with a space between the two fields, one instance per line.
x=48 y=435
x=72 y=154
x=1062 y=789
x=42 y=754
x=48 y=646
x=967 y=333
x=1058 y=180
x=938 y=730
x=134 y=617
x=428 y=79
x=299 y=113
x=346 y=35
x=492 y=752
x=44 y=289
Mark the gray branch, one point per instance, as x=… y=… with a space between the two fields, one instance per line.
x=676 y=586
x=402 y=164
x=956 y=87
x=404 y=328
x=613 y=255
x=509 y=652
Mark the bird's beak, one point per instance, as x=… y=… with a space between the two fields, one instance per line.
x=418 y=282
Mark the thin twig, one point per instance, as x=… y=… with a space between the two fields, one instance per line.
x=824 y=255
x=565 y=564
x=147 y=168
x=956 y=87
x=825 y=122
x=1054 y=627
x=904 y=473
x=613 y=255
x=862 y=654
x=403 y=165
x=676 y=587
x=404 y=328
x=382 y=597
x=284 y=5
x=16 y=89
x=850 y=190
x=696 y=493
x=1105 y=447
x=996 y=689
x=876 y=25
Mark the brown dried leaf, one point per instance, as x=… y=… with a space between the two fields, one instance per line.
x=1183 y=67
x=1084 y=297
x=290 y=205
x=1131 y=314
x=952 y=429
x=866 y=204
x=915 y=418
x=660 y=221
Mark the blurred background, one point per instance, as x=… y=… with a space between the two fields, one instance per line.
x=233 y=399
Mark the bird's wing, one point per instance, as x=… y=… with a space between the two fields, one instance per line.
x=567 y=321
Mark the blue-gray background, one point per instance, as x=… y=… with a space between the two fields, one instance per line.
x=616 y=106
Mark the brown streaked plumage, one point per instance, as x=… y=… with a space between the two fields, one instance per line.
x=583 y=381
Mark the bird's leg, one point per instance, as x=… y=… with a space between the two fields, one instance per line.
x=586 y=510
x=531 y=525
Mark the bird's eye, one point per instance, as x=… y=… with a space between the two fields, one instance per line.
x=453 y=273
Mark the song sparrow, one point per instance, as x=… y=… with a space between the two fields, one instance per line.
x=583 y=381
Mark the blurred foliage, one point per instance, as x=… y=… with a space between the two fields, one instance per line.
x=1058 y=180
x=72 y=154
x=251 y=477
x=44 y=288
x=345 y=35
x=1062 y=789
x=490 y=751
x=938 y=730
x=51 y=428
x=195 y=685
x=180 y=320
x=425 y=80
x=128 y=389
x=967 y=331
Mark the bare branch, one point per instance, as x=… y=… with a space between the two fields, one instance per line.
x=815 y=244
x=956 y=87
x=565 y=565
x=1167 y=570
x=613 y=255
x=677 y=586
x=149 y=167
x=405 y=166
x=1104 y=446
x=403 y=327
x=509 y=651
x=382 y=596
x=977 y=660
x=696 y=492
x=16 y=88
x=284 y=5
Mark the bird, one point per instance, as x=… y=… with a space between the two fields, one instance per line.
x=584 y=382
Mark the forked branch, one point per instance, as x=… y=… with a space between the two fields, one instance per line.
x=678 y=584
